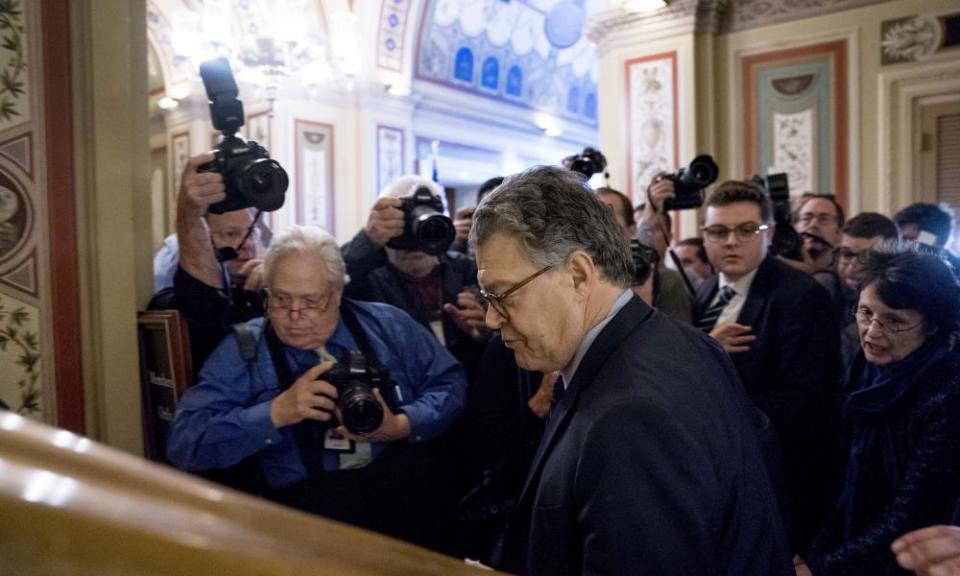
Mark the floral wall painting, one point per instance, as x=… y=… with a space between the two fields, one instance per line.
x=16 y=218
x=14 y=60
x=20 y=385
x=314 y=170
x=652 y=127
x=795 y=109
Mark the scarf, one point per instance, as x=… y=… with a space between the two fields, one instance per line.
x=876 y=392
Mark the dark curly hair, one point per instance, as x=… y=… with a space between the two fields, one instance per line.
x=906 y=278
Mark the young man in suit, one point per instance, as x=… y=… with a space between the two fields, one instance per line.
x=778 y=325
x=649 y=463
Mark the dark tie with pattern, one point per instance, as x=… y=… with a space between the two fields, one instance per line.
x=711 y=314
x=558 y=390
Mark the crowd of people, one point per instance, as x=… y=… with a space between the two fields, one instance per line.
x=569 y=390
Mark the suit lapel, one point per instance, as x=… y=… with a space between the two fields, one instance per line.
x=759 y=292
x=705 y=295
x=635 y=312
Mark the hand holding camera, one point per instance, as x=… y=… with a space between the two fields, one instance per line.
x=392 y=427
x=308 y=398
x=199 y=190
x=385 y=221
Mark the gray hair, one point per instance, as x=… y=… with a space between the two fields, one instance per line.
x=553 y=214
x=403 y=186
x=308 y=240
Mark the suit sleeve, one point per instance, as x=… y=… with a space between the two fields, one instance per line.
x=644 y=492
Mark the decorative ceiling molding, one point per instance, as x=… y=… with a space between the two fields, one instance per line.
x=745 y=14
x=615 y=28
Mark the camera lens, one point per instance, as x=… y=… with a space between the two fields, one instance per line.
x=263 y=183
x=359 y=409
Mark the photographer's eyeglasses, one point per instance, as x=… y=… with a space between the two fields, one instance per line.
x=865 y=317
x=496 y=300
x=744 y=232
x=279 y=303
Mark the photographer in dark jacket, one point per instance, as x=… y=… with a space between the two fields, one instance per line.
x=432 y=289
x=211 y=296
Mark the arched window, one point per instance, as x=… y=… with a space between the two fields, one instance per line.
x=590 y=106
x=573 y=100
x=515 y=81
x=464 y=65
x=491 y=73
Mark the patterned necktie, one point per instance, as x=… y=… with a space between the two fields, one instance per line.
x=558 y=390
x=711 y=314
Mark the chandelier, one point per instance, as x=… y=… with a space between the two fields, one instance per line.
x=271 y=43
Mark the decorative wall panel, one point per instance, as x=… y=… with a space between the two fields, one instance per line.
x=390 y=157
x=392 y=34
x=795 y=110
x=314 y=174
x=918 y=38
x=652 y=127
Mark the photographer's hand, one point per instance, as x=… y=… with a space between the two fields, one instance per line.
x=661 y=188
x=307 y=398
x=385 y=221
x=252 y=272
x=469 y=316
x=198 y=190
x=394 y=426
x=462 y=222
x=733 y=337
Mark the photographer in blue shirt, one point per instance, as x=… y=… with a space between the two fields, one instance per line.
x=271 y=393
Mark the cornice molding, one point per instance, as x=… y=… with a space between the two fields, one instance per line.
x=611 y=29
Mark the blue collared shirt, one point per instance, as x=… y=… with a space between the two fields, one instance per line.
x=225 y=417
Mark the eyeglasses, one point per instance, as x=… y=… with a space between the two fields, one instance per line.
x=822 y=218
x=311 y=305
x=496 y=300
x=865 y=317
x=744 y=232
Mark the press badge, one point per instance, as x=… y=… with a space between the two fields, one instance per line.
x=335 y=441
x=437 y=327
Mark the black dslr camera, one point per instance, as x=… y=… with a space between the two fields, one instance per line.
x=250 y=177
x=645 y=260
x=786 y=241
x=689 y=183
x=425 y=226
x=588 y=162
x=355 y=380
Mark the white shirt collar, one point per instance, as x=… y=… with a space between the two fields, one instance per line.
x=740 y=286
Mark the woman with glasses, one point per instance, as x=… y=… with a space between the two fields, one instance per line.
x=900 y=414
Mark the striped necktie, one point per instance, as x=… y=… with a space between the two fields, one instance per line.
x=711 y=314
x=558 y=390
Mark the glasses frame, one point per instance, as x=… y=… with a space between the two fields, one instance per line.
x=496 y=300
x=867 y=323
x=746 y=237
x=303 y=310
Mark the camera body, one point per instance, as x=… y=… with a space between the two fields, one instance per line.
x=425 y=226
x=645 y=260
x=250 y=177
x=786 y=241
x=355 y=380
x=588 y=162
x=689 y=183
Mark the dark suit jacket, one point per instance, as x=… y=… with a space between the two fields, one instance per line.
x=648 y=465
x=790 y=373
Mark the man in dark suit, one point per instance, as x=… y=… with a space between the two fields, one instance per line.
x=778 y=326
x=649 y=462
